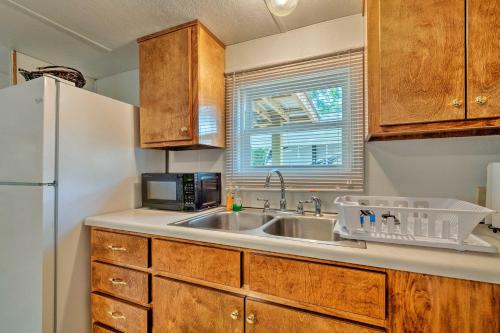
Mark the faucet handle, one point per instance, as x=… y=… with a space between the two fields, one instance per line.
x=267 y=206
x=300 y=206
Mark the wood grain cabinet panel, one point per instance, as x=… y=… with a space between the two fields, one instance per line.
x=417 y=72
x=420 y=303
x=266 y=318
x=185 y=308
x=182 y=88
x=197 y=261
x=165 y=81
x=483 y=59
x=422 y=64
x=120 y=282
x=97 y=328
x=345 y=289
x=119 y=315
x=120 y=248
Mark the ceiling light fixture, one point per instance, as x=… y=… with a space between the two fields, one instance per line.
x=281 y=7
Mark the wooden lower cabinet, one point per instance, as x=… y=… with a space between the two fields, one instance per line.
x=186 y=308
x=120 y=248
x=206 y=263
x=265 y=318
x=421 y=303
x=119 y=315
x=328 y=286
x=208 y=288
x=98 y=328
x=120 y=282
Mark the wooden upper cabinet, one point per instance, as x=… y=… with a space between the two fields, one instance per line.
x=422 y=66
x=419 y=66
x=483 y=59
x=182 y=88
x=165 y=73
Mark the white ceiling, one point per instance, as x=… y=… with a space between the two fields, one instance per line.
x=98 y=36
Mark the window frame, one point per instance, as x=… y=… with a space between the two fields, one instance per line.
x=242 y=115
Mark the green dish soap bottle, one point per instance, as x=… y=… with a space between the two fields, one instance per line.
x=237 y=200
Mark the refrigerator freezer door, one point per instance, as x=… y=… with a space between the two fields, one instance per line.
x=98 y=173
x=27 y=259
x=28 y=132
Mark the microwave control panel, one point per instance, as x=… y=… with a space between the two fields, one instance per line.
x=189 y=192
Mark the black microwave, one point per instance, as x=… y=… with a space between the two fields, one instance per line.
x=181 y=191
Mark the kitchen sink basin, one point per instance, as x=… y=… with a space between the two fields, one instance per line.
x=274 y=224
x=230 y=221
x=309 y=228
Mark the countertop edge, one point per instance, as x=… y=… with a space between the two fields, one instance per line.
x=314 y=250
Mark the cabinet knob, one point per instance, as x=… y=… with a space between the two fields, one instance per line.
x=184 y=129
x=456 y=103
x=481 y=100
x=251 y=319
x=235 y=314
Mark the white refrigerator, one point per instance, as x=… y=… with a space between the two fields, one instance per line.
x=65 y=154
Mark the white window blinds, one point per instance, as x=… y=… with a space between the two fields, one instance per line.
x=305 y=119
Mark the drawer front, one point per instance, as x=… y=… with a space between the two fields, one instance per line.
x=120 y=282
x=345 y=289
x=197 y=261
x=121 y=248
x=118 y=315
x=280 y=319
x=96 y=328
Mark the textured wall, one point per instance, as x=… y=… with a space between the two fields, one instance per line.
x=4 y=80
x=312 y=41
x=437 y=167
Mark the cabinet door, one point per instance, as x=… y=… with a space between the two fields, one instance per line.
x=166 y=87
x=483 y=59
x=265 y=318
x=185 y=308
x=422 y=66
x=421 y=303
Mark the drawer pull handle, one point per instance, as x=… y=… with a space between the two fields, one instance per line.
x=117 y=281
x=251 y=319
x=235 y=314
x=116 y=315
x=116 y=248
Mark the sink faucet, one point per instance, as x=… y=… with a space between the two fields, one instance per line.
x=282 y=181
x=317 y=206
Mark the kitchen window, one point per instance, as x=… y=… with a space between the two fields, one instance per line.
x=304 y=118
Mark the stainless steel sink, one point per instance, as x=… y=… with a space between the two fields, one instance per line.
x=229 y=221
x=309 y=228
x=275 y=224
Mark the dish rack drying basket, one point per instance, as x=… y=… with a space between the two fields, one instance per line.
x=434 y=222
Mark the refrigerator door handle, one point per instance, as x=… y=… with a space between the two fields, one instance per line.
x=27 y=184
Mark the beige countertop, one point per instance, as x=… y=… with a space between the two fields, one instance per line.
x=450 y=263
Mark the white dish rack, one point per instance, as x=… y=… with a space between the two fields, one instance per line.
x=444 y=223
